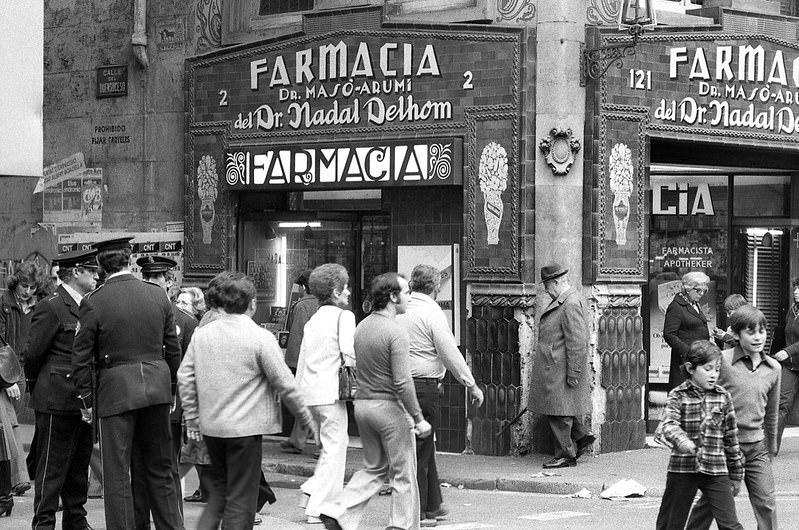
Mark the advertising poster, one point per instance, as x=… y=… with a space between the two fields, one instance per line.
x=76 y=201
x=167 y=244
x=441 y=257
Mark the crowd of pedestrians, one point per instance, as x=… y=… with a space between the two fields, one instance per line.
x=167 y=378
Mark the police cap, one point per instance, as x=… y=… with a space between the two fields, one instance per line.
x=118 y=243
x=77 y=258
x=155 y=264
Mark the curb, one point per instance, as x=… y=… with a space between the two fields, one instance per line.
x=498 y=484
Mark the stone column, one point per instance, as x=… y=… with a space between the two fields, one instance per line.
x=560 y=103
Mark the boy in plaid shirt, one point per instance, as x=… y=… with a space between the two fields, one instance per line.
x=699 y=425
x=753 y=380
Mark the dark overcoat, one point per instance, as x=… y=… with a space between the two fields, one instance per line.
x=682 y=325
x=563 y=348
x=128 y=329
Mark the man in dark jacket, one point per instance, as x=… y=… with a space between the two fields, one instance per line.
x=560 y=383
x=158 y=270
x=298 y=316
x=63 y=441
x=127 y=329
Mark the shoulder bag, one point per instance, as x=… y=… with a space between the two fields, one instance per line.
x=347 y=375
x=10 y=369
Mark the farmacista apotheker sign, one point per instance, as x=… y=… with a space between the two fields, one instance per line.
x=747 y=85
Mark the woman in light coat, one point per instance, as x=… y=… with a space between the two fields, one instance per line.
x=327 y=336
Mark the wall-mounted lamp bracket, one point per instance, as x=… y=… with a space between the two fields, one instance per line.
x=596 y=61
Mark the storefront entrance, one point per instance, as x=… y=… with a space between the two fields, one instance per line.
x=734 y=223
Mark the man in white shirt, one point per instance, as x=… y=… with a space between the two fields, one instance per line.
x=433 y=350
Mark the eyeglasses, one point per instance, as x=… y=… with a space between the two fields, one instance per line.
x=699 y=290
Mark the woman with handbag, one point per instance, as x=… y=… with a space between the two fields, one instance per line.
x=327 y=344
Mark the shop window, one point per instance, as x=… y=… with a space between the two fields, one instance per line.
x=761 y=195
x=688 y=232
x=277 y=7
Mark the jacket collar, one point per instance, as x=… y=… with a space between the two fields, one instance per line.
x=557 y=302
x=68 y=300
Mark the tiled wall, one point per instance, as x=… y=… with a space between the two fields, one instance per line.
x=433 y=216
x=624 y=372
x=493 y=340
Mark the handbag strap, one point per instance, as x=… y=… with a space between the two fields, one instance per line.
x=338 y=336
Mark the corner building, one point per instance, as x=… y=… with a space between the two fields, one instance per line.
x=465 y=135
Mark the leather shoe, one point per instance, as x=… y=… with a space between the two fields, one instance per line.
x=288 y=447
x=438 y=514
x=329 y=522
x=195 y=497
x=560 y=462
x=20 y=488
x=585 y=443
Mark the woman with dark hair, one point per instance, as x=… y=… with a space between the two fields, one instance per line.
x=788 y=356
x=327 y=336
x=16 y=313
x=234 y=368
x=387 y=412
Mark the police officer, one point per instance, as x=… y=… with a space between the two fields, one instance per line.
x=127 y=327
x=63 y=441
x=157 y=270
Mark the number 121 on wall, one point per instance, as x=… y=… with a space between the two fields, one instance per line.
x=640 y=79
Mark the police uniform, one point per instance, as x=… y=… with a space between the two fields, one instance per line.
x=63 y=441
x=185 y=326
x=128 y=330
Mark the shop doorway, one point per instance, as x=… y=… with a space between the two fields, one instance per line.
x=736 y=225
x=760 y=272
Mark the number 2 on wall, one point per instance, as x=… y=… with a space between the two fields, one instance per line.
x=467 y=83
x=223 y=98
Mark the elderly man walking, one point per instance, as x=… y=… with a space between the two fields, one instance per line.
x=433 y=350
x=560 y=380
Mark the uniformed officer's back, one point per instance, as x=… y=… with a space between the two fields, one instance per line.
x=131 y=315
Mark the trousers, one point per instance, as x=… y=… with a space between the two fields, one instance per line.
x=388 y=451
x=679 y=494
x=233 y=476
x=759 y=480
x=64 y=446
x=327 y=481
x=565 y=431
x=430 y=498
x=132 y=443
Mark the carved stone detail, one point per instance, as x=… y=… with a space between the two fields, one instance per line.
x=559 y=149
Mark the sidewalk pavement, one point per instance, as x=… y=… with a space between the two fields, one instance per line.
x=523 y=474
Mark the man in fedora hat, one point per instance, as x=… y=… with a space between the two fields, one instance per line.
x=560 y=380
x=62 y=442
x=127 y=331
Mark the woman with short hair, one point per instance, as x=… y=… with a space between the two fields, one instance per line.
x=228 y=381
x=685 y=321
x=327 y=336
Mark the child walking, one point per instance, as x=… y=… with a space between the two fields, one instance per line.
x=699 y=424
x=753 y=380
